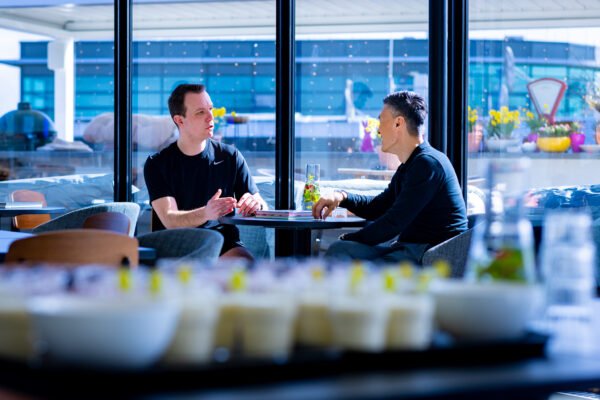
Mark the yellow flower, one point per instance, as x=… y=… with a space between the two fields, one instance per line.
x=371 y=127
x=503 y=122
x=218 y=112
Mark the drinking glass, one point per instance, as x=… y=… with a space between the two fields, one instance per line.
x=312 y=191
x=567 y=259
x=502 y=248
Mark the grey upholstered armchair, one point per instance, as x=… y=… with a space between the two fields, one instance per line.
x=75 y=219
x=454 y=250
x=184 y=243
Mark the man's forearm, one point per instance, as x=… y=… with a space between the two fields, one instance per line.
x=363 y=206
x=185 y=219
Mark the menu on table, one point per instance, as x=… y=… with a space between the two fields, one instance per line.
x=284 y=214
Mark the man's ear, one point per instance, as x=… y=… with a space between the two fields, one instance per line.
x=177 y=120
x=399 y=121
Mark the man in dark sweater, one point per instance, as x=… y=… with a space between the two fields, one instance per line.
x=196 y=180
x=421 y=207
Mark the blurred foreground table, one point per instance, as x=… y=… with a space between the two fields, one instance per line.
x=532 y=379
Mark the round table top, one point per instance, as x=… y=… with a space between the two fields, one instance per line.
x=329 y=223
x=13 y=212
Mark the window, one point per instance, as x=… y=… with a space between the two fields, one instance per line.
x=233 y=54
x=505 y=57
x=345 y=67
x=61 y=78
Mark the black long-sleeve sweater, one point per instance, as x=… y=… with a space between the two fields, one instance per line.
x=422 y=204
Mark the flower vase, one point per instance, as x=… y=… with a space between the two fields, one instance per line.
x=387 y=160
x=577 y=139
x=474 y=139
x=554 y=144
x=367 y=144
x=530 y=143
x=533 y=137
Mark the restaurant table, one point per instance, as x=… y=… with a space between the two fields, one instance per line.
x=13 y=212
x=304 y=227
x=147 y=255
x=16 y=211
x=365 y=173
x=530 y=379
x=389 y=173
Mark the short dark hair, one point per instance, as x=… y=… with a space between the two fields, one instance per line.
x=176 y=106
x=411 y=106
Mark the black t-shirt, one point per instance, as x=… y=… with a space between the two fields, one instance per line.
x=193 y=180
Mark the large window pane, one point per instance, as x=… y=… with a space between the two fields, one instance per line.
x=61 y=71
x=233 y=54
x=508 y=55
x=350 y=55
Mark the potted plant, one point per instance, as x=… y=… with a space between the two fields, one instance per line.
x=554 y=138
x=577 y=137
x=534 y=124
x=593 y=99
x=386 y=160
x=219 y=121
x=369 y=134
x=500 y=126
x=475 y=132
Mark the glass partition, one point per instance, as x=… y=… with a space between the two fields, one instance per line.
x=230 y=48
x=55 y=80
x=534 y=92
x=349 y=56
x=346 y=65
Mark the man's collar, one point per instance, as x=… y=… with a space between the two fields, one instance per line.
x=416 y=151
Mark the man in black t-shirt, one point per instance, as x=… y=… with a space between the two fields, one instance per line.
x=196 y=180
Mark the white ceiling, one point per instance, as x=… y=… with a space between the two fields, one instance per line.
x=257 y=17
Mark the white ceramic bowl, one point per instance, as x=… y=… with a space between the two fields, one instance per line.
x=501 y=144
x=529 y=147
x=591 y=148
x=105 y=333
x=480 y=311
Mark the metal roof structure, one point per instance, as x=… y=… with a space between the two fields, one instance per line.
x=93 y=19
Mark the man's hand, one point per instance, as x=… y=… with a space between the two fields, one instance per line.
x=248 y=205
x=327 y=204
x=218 y=206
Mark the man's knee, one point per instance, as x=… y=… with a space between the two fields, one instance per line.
x=238 y=252
x=343 y=249
x=339 y=249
